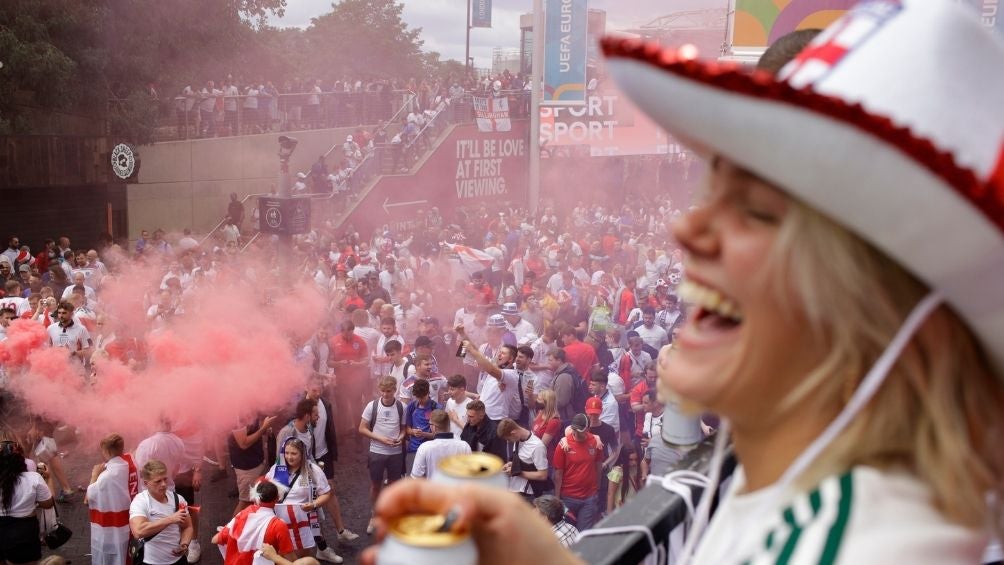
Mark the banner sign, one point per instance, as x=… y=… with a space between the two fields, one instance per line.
x=607 y=125
x=469 y=168
x=284 y=216
x=492 y=114
x=989 y=13
x=481 y=13
x=759 y=23
x=565 y=52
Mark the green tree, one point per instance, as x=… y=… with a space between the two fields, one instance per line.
x=79 y=54
x=363 y=38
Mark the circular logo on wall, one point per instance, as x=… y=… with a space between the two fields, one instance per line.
x=273 y=217
x=123 y=161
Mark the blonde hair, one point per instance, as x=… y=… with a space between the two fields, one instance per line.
x=152 y=469
x=938 y=414
x=550 y=401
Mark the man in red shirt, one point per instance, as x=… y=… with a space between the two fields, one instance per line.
x=253 y=527
x=625 y=299
x=637 y=404
x=478 y=286
x=577 y=473
x=350 y=359
x=581 y=355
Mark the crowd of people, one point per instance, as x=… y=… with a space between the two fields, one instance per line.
x=235 y=106
x=544 y=357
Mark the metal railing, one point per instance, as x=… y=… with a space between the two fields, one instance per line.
x=388 y=158
x=223 y=221
x=653 y=507
x=217 y=115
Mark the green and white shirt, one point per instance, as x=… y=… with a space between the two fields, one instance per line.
x=865 y=516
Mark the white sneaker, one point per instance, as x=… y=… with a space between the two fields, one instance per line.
x=194 y=551
x=347 y=535
x=329 y=555
x=371 y=527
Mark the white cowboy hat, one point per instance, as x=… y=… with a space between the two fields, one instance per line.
x=890 y=122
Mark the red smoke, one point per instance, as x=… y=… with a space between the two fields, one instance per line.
x=227 y=356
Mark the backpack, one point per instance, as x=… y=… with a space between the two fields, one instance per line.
x=580 y=390
x=373 y=413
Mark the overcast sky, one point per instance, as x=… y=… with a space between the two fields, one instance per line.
x=442 y=21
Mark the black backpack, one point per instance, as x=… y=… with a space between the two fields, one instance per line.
x=373 y=413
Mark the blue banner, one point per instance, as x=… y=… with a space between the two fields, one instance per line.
x=481 y=13
x=565 y=52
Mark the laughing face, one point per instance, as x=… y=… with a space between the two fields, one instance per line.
x=745 y=345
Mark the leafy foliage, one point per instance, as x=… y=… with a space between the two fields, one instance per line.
x=77 y=55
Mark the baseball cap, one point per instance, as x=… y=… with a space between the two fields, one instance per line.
x=580 y=422
x=24 y=268
x=594 y=405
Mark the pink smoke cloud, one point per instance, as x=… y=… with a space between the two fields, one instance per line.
x=228 y=356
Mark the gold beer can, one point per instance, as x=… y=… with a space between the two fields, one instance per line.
x=475 y=468
x=417 y=540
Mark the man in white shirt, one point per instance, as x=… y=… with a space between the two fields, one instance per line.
x=14 y=300
x=69 y=334
x=526 y=457
x=456 y=404
x=165 y=447
x=499 y=381
x=383 y=422
x=207 y=109
x=655 y=336
x=381 y=361
x=80 y=279
x=465 y=316
x=230 y=94
x=515 y=322
x=442 y=445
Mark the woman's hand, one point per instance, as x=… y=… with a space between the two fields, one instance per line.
x=493 y=518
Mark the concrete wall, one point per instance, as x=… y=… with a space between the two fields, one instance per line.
x=186 y=184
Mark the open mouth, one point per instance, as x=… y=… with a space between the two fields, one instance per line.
x=710 y=309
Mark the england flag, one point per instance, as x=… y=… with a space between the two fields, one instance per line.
x=492 y=114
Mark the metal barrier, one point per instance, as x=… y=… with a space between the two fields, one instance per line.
x=655 y=508
x=216 y=115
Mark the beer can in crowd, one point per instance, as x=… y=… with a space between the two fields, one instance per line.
x=475 y=468
x=417 y=540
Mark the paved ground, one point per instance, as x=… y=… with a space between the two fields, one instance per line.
x=351 y=484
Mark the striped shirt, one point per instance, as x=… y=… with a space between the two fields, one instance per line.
x=864 y=516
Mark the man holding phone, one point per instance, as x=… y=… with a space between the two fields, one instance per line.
x=384 y=424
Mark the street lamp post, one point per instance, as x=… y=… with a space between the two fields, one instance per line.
x=286 y=147
x=536 y=91
x=467 y=52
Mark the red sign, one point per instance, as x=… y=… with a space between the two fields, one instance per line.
x=469 y=168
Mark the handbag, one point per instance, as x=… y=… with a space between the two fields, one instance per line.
x=56 y=535
x=137 y=547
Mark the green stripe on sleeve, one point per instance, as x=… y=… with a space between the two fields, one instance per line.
x=836 y=536
x=789 y=546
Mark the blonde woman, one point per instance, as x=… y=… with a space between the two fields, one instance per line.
x=547 y=424
x=844 y=268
